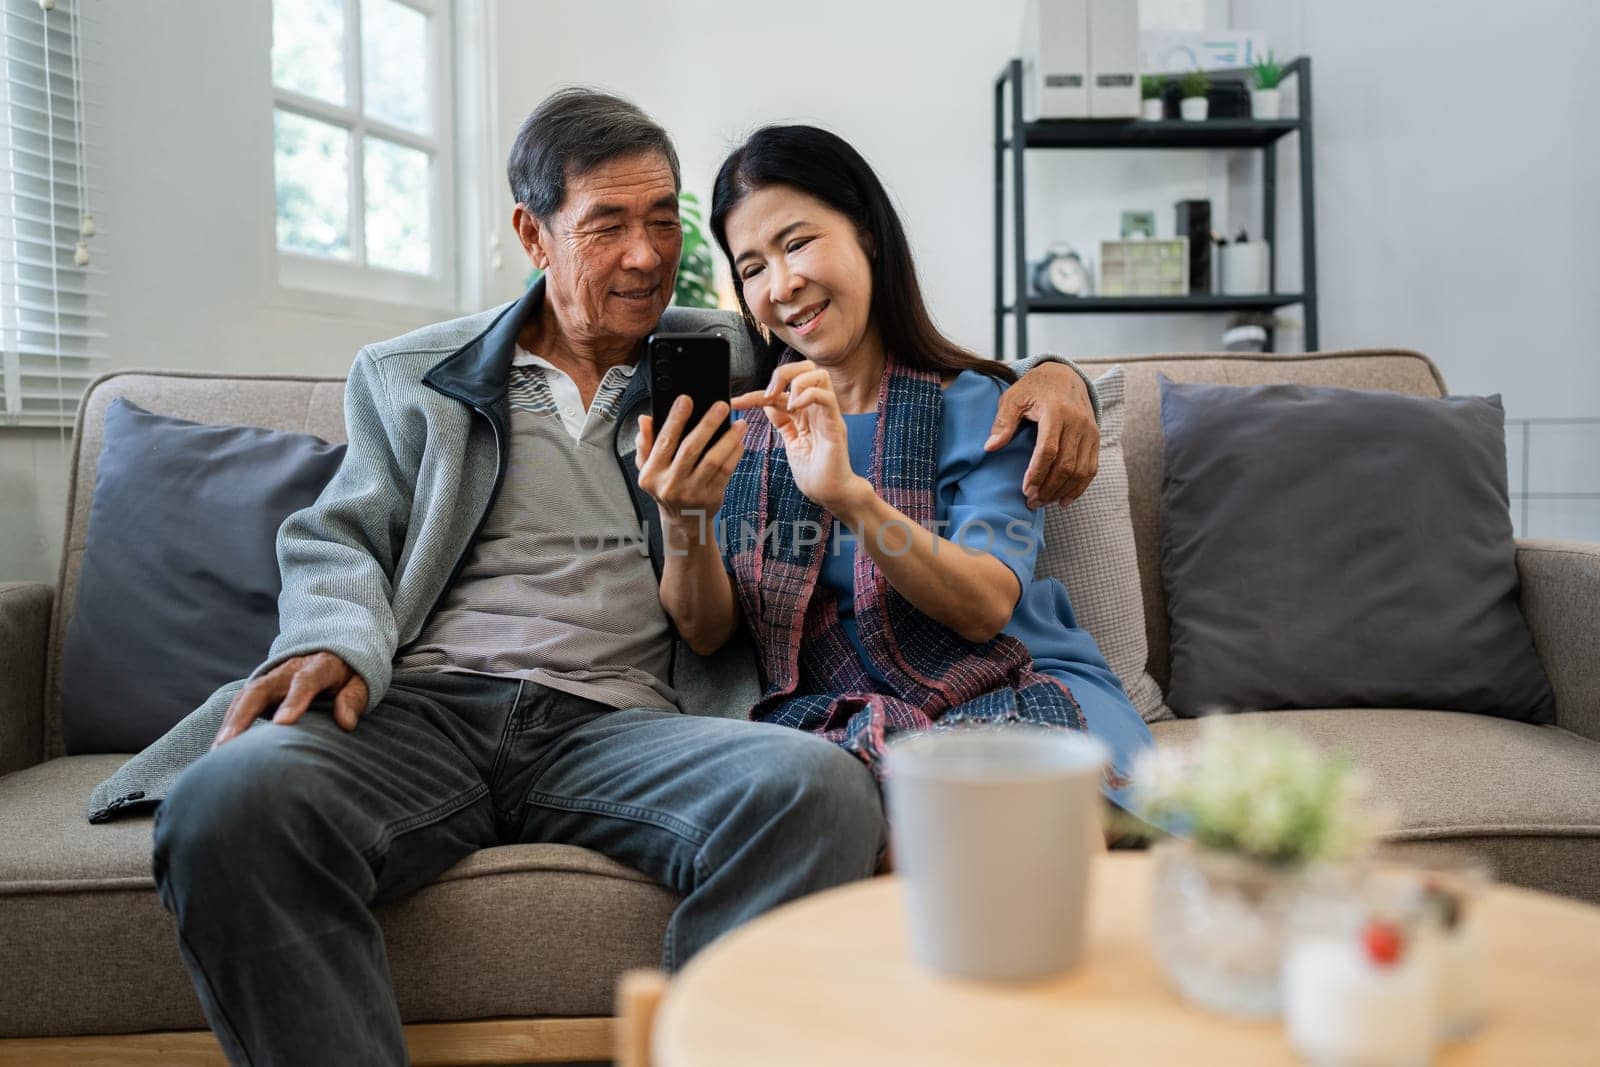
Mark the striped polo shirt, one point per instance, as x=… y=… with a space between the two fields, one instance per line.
x=558 y=588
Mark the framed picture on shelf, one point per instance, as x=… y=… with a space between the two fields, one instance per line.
x=1138 y=224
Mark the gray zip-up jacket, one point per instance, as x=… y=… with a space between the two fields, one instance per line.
x=365 y=566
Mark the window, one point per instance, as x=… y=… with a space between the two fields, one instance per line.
x=51 y=328
x=362 y=155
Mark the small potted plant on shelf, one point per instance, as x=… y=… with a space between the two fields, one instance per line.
x=1195 y=84
x=1153 y=107
x=1265 y=100
x=1256 y=810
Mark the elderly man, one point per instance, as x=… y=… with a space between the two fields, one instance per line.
x=453 y=672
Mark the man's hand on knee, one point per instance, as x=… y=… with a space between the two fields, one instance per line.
x=291 y=686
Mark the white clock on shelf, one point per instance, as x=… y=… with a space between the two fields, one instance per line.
x=1061 y=273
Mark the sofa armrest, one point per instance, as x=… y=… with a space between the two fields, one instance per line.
x=24 y=637
x=1561 y=601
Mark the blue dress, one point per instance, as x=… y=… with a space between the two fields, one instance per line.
x=979 y=504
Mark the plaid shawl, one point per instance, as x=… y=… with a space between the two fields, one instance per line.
x=812 y=678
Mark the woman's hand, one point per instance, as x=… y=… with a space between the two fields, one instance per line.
x=687 y=479
x=802 y=406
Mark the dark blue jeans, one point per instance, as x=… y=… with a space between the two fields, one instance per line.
x=273 y=849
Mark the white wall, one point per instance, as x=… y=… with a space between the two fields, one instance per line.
x=1456 y=206
x=1456 y=203
x=909 y=84
x=1458 y=212
x=186 y=223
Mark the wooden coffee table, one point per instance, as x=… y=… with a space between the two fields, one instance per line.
x=828 y=982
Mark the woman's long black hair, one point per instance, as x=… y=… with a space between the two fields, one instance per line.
x=824 y=166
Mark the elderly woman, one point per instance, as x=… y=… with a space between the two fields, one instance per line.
x=894 y=588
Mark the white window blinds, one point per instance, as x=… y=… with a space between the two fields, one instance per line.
x=52 y=331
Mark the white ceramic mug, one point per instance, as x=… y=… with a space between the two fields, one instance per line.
x=993 y=830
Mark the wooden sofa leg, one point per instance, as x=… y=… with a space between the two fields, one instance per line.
x=638 y=996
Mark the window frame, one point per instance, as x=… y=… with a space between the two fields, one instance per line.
x=78 y=324
x=327 y=284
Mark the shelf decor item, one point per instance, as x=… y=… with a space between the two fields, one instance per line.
x=1193 y=220
x=1266 y=102
x=1194 y=105
x=1152 y=107
x=1018 y=142
x=1054 y=55
x=1144 y=267
x=1061 y=273
x=1243 y=267
x=1263 y=814
x=1138 y=224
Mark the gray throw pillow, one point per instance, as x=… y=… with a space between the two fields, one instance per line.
x=1326 y=548
x=179 y=587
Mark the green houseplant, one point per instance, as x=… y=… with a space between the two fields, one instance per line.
x=1151 y=91
x=696 y=286
x=1194 y=105
x=1266 y=100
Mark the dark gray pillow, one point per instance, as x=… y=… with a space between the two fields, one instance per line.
x=179 y=589
x=1326 y=548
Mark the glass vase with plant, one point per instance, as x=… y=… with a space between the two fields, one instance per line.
x=1254 y=808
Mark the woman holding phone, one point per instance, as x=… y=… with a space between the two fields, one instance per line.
x=881 y=558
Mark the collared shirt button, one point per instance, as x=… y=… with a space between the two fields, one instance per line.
x=570 y=412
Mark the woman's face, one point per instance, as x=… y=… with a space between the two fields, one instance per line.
x=805 y=274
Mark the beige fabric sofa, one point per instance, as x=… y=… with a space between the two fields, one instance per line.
x=535 y=935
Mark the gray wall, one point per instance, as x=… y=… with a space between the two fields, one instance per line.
x=1456 y=168
x=1457 y=206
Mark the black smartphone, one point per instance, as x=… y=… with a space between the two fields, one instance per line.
x=695 y=365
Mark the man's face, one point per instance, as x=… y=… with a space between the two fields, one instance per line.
x=610 y=253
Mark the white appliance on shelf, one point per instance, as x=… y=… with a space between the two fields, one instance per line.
x=1114 y=59
x=1055 y=59
x=1080 y=59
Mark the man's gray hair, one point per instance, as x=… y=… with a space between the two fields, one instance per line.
x=573 y=131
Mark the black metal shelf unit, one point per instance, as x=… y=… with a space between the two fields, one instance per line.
x=1017 y=136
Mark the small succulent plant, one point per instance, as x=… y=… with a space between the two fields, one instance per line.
x=1268 y=72
x=1150 y=87
x=1195 y=83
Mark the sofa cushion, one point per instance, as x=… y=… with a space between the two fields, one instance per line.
x=291 y=403
x=1524 y=796
x=179 y=588
x=519 y=930
x=1399 y=371
x=1324 y=547
x=1088 y=547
